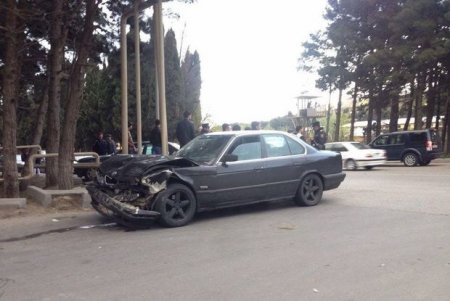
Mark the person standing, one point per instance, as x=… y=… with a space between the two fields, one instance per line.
x=320 y=136
x=236 y=127
x=185 y=129
x=100 y=145
x=205 y=128
x=131 y=146
x=111 y=145
x=226 y=127
x=299 y=132
x=155 y=138
x=256 y=126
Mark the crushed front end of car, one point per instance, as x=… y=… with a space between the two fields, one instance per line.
x=127 y=186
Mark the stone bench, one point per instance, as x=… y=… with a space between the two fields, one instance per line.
x=48 y=197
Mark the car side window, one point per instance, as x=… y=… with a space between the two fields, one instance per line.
x=418 y=137
x=396 y=139
x=276 y=146
x=382 y=140
x=246 y=148
x=296 y=148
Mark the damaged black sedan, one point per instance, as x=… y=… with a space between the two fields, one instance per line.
x=213 y=171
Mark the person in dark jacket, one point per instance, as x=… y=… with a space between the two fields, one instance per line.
x=111 y=145
x=100 y=145
x=320 y=136
x=155 y=138
x=205 y=129
x=185 y=129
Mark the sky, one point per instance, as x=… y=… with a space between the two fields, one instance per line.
x=248 y=51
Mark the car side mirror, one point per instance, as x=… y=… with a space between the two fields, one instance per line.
x=229 y=158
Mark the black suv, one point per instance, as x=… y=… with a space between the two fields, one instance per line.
x=410 y=147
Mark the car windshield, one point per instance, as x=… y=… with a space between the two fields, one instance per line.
x=358 y=145
x=204 y=148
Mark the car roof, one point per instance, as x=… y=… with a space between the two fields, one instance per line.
x=407 y=132
x=245 y=133
x=344 y=142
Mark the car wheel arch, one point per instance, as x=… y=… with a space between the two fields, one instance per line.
x=176 y=178
x=411 y=150
x=346 y=162
x=309 y=172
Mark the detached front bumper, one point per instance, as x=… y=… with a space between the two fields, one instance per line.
x=126 y=213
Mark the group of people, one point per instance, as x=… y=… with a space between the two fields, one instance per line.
x=104 y=146
x=185 y=132
x=319 y=138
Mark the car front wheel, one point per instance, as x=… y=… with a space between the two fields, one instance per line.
x=310 y=191
x=350 y=164
x=177 y=205
x=410 y=159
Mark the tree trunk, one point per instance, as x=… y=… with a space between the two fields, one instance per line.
x=378 y=107
x=10 y=100
x=418 y=102
x=82 y=48
x=55 y=64
x=431 y=100
x=393 y=118
x=328 y=111
x=353 y=118
x=338 y=116
x=410 y=106
x=369 y=117
x=438 y=108
x=38 y=131
x=446 y=128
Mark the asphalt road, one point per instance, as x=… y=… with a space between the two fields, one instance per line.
x=383 y=235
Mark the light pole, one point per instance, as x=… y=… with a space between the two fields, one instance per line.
x=161 y=94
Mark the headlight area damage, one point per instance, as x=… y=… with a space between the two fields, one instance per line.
x=131 y=200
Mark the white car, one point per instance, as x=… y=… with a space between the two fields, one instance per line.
x=355 y=154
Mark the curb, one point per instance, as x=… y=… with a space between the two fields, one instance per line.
x=13 y=203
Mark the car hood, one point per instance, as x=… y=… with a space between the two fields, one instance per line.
x=127 y=167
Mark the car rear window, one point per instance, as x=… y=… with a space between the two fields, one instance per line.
x=296 y=148
x=276 y=146
x=358 y=145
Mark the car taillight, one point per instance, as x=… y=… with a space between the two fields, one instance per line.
x=429 y=145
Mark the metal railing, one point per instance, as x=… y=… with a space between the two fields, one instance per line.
x=32 y=159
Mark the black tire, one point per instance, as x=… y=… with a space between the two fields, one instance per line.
x=177 y=205
x=350 y=164
x=310 y=191
x=410 y=159
x=368 y=167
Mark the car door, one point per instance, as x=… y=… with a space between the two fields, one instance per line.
x=393 y=144
x=239 y=182
x=283 y=166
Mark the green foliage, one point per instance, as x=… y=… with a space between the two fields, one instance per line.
x=101 y=108
x=386 y=48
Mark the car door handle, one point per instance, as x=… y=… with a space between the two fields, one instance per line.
x=259 y=168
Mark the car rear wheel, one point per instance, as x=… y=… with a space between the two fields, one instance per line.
x=350 y=164
x=410 y=159
x=177 y=205
x=310 y=191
